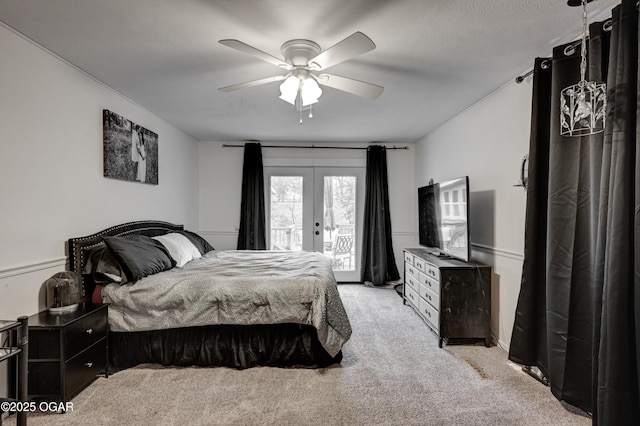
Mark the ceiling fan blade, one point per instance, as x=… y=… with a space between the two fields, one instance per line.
x=354 y=45
x=245 y=48
x=251 y=83
x=356 y=87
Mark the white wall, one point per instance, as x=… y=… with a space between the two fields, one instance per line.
x=487 y=142
x=52 y=188
x=51 y=174
x=221 y=180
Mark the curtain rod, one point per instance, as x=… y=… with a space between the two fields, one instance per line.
x=570 y=49
x=224 y=145
x=520 y=78
x=546 y=63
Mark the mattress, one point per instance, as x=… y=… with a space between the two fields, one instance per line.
x=236 y=287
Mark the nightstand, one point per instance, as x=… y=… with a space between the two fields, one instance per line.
x=67 y=351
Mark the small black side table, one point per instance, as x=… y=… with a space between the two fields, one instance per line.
x=67 y=351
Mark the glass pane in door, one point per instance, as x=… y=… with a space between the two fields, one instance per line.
x=339 y=207
x=286 y=213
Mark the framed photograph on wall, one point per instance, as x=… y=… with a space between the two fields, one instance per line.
x=130 y=150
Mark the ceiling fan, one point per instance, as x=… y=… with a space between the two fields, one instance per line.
x=305 y=61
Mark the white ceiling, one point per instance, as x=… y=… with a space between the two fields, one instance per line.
x=434 y=57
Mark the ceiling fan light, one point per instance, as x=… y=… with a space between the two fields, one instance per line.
x=289 y=89
x=310 y=91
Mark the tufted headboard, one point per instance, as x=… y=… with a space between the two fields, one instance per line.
x=78 y=247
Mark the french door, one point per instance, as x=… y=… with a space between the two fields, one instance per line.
x=319 y=209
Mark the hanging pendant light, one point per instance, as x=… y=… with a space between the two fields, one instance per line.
x=583 y=105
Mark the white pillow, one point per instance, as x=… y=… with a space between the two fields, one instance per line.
x=180 y=248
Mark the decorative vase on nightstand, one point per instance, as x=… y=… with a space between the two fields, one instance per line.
x=63 y=292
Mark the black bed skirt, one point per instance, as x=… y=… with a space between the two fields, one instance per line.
x=281 y=345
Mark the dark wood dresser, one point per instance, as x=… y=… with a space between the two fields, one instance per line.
x=452 y=297
x=66 y=351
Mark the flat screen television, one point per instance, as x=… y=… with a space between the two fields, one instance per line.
x=443 y=218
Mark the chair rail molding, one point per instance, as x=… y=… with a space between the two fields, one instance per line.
x=11 y=271
x=498 y=251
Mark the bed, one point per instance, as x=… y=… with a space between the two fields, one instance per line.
x=235 y=308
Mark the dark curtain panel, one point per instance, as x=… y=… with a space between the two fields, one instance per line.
x=617 y=357
x=252 y=234
x=578 y=314
x=378 y=262
x=529 y=338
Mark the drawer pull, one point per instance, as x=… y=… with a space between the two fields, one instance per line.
x=88 y=364
x=89 y=331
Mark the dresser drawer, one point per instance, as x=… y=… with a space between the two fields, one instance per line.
x=432 y=271
x=413 y=282
x=412 y=297
x=419 y=264
x=411 y=270
x=85 y=332
x=84 y=367
x=430 y=283
x=429 y=296
x=408 y=258
x=430 y=314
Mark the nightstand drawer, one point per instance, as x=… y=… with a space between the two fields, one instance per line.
x=45 y=379
x=83 y=368
x=85 y=332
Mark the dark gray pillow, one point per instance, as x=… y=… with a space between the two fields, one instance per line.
x=139 y=255
x=198 y=241
x=103 y=267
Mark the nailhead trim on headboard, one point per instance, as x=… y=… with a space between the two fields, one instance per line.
x=79 y=245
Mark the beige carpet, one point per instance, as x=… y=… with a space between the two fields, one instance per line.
x=393 y=373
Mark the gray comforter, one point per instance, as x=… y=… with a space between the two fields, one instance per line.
x=235 y=287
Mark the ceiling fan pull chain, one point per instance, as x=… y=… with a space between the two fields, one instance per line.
x=300 y=115
x=311 y=111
